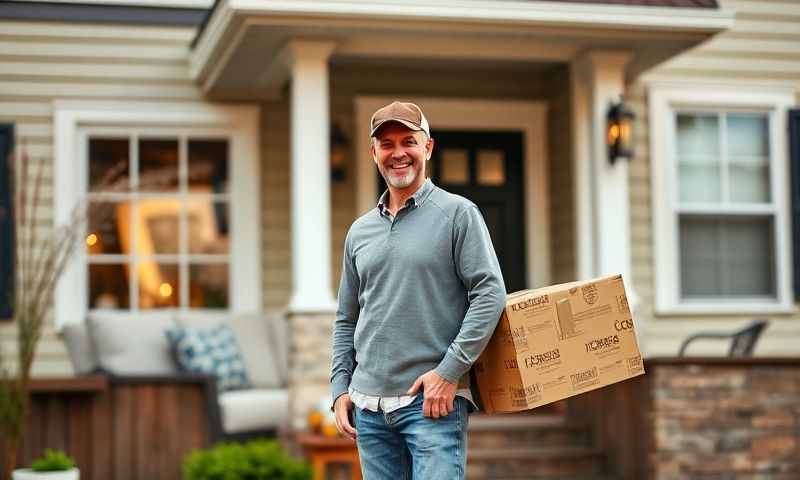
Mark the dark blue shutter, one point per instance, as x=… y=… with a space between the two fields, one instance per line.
x=6 y=222
x=794 y=155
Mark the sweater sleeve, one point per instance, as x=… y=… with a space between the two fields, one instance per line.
x=479 y=271
x=344 y=354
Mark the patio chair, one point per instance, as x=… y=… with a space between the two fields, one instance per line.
x=743 y=341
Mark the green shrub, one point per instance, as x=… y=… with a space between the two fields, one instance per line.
x=53 y=461
x=254 y=460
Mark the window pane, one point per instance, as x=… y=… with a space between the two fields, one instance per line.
x=726 y=257
x=158 y=285
x=455 y=166
x=109 y=228
x=699 y=182
x=698 y=134
x=108 y=286
x=748 y=157
x=109 y=163
x=491 y=167
x=208 y=166
x=158 y=226
x=208 y=285
x=208 y=227
x=748 y=135
x=697 y=146
x=158 y=165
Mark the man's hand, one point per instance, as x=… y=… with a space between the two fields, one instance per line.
x=439 y=394
x=342 y=408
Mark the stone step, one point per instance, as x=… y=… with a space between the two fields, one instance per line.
x=515 y=430
x=533 y=462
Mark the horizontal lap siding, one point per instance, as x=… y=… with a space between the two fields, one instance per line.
x=42 y=62
x=762 y=48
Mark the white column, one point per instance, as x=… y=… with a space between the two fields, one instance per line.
x=310 y=176
x=603 y=233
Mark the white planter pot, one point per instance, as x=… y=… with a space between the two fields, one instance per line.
x=28 y=474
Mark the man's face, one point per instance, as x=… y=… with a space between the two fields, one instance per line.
x=401 y=154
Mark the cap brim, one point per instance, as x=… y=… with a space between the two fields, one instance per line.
x=406 y=123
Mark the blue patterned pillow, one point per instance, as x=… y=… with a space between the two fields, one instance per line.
x=211 y=351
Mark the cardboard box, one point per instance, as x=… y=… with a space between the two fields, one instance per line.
x=555 y=342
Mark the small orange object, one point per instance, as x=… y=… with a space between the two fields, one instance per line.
x=329 y=430
x=314 y=420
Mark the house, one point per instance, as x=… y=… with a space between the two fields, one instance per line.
x=260 y=110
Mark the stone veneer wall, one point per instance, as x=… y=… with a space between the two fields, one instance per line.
x=310 y=363
x=701 y=418
x=726 y=421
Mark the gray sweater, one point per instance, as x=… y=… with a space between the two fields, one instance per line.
x=418 y=291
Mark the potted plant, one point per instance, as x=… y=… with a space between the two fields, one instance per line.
x=54 y=465
x=39 y=261
x=254 y=460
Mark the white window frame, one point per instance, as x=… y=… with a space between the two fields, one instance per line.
x=664 y=100
x=238 y=123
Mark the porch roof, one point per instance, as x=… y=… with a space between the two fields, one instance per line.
x=238 y=47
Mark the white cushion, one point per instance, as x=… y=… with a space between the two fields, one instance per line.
x=254 y=409
x=79 y=347
x=132 y=344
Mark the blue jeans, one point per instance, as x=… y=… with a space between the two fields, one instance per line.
x=406 y=445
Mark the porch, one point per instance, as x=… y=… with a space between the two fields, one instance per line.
x=540 y=70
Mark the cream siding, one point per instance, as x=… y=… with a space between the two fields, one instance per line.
x=41 y=62
x=762 y=49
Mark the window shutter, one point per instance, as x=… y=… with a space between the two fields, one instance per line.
x=6 y=222
x=794 y=155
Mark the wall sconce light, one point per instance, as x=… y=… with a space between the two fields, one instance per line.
x=619 y=132
x=339 y=151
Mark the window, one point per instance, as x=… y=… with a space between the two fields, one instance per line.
x=720 y=201
x=159 y=238
x=176 y=230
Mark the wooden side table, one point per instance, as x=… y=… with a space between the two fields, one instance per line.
x=323 y=450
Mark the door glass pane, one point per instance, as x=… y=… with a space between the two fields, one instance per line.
x=158 y=165
x=158 y=285
x=158 y=226
x=726 y=257
x=697 y=147
x=454 y=168
x=109 y=164
x=208 y=227
x=208 y=166
x=208 y=285
x=491 y=167
x=748 y=157
x=108 y=286
x=108 y=229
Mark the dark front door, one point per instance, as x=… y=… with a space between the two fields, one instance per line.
x=486 y=167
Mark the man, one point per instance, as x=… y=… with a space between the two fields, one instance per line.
x=419 y=298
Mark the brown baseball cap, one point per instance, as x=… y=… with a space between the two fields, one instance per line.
x=405 y=113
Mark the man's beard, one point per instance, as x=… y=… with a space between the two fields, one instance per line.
x=400 y=181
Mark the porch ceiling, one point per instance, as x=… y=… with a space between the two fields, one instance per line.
x=237 y=54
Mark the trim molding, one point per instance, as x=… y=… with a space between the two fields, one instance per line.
x=239 y=123
x=663 y=100
x=97 y=13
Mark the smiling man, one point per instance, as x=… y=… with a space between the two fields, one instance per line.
x=419 y=298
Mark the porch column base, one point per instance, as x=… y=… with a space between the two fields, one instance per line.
x=310 y=337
